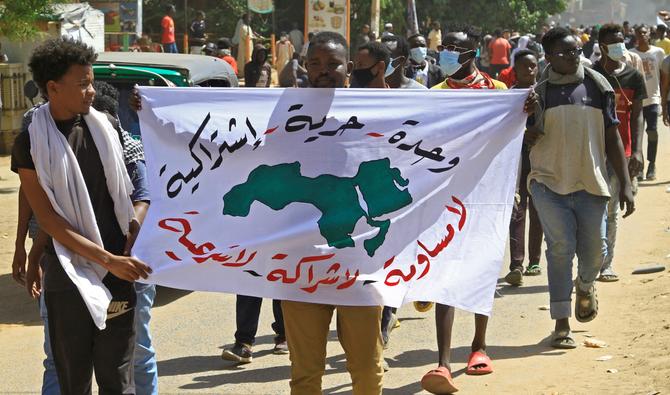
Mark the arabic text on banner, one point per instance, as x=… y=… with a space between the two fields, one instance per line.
x=346 y=197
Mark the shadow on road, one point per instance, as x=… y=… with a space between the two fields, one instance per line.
x=652 y=184
x=417 y=358
x=523 y=290
x=165 y=295
x=17 y=308
x=412 y=318
x=239 y=376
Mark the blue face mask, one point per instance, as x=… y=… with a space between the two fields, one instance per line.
x=616 y=51
x=449 y=62
x=418 y=54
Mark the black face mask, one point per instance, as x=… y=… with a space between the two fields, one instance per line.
x=361 y=78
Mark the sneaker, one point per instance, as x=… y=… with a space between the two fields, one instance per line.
x=651 y=172
x=515 y=277
x=281 y=347
x=422 y=307
x=240 y=352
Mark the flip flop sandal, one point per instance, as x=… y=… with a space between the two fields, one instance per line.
x=586 y=302
x=478 y=358
x=608 y=278
x=438 y=381
x=533 y=270
x=563 y=340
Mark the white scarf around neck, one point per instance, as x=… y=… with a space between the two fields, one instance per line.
x=61 y=179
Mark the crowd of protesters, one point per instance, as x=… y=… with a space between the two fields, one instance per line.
x=593 y=93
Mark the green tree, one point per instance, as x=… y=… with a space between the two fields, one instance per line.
x=520 y=15
x=18 y=18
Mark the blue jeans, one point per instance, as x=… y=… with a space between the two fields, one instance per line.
x=611 y=221
x=50 y=384
x=146 y=370
x=573 y=223
x=170 y=48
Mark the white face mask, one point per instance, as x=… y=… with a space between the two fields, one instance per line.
x=616 y=51
x=418 y=54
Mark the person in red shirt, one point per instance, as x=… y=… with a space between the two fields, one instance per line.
x=499 y=48
x=225 y=46
x=167 y=24
x=508 y=76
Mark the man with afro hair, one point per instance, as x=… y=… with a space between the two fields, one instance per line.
x=88 y=165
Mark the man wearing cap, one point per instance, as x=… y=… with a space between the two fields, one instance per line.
x=388 y=30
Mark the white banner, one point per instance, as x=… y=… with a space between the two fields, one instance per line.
x=346 y=197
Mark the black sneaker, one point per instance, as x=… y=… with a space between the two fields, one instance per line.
x=240 y=352
x=281 y=347
x=651 y=172
x=515 y=277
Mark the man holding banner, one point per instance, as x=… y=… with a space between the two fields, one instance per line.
x=307 y=324
x=576 y=135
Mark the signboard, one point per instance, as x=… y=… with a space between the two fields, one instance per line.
x=327 y=15
x=121 y=15
x=82 y=22
x=261 y=6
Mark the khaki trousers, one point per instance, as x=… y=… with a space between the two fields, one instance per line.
x=359 y=333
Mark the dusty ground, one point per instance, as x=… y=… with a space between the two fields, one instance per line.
x=191 y=328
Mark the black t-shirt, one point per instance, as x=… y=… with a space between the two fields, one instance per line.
x=80 y=140
x=628 y=85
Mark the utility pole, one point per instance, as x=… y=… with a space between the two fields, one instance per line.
x=375 y=13
x=412 y=22
x=186 y=49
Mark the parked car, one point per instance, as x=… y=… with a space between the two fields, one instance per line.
x=124 y=70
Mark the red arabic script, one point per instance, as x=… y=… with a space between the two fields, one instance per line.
x=201 y=252
x=396 y=276
x=332 y=276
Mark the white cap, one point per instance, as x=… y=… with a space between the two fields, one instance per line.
x=388 y=25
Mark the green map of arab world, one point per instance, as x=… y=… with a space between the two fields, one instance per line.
x=335 y=197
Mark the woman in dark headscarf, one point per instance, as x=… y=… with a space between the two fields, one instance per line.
x=258 y=72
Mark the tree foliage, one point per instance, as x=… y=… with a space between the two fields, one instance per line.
x=520 y=15
x=18 y=18
x=222 y=16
